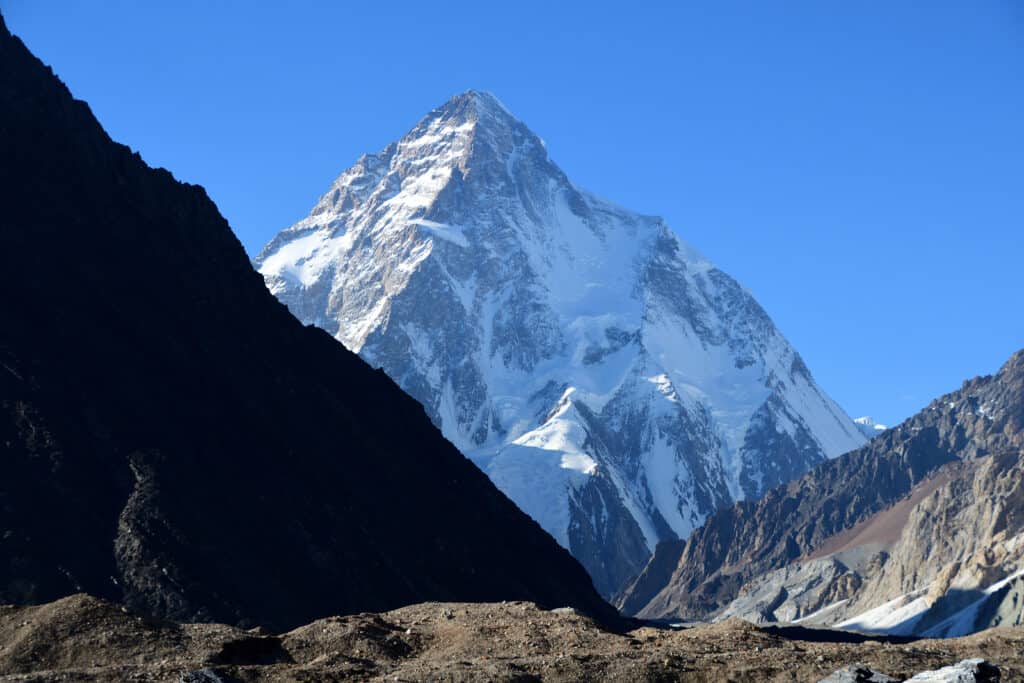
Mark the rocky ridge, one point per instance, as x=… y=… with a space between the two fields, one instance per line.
x=919 y=532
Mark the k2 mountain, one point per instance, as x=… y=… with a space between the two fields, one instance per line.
x=608 y=378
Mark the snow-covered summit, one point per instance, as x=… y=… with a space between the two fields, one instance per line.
x=608 y=378
x=869 y=427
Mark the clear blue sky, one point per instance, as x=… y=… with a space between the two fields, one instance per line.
x=859 y=166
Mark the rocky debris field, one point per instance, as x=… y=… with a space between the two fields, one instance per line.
x=81 y=638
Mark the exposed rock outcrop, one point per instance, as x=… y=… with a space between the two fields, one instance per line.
x=919 y=532
x=858 y=674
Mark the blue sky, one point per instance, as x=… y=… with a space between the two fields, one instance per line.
x=859 y=166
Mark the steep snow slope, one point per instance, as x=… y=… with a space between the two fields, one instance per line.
x=607 y=377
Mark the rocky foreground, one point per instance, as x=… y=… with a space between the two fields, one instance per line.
x=81 y=638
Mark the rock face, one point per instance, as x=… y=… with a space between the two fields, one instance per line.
x=608 y=378
x=921 y=532
x=173 y=438
x=858 y=674
x=974 y=670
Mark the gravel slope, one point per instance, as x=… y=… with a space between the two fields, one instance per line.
x=81 y=638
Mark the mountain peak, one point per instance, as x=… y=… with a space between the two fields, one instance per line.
x=463 y=262
x=868 y=427
x=476 y=105
x=484 y=100
x=472 y=121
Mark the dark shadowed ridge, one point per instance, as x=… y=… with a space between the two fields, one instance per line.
x=172 y=438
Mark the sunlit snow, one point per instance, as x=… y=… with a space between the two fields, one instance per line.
x=553 y=336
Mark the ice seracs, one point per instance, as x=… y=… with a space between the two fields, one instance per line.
x=607 y=377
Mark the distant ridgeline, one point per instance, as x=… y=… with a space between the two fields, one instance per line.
x=920 y=532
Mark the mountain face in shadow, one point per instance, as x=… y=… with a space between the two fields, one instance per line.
x=174 y=439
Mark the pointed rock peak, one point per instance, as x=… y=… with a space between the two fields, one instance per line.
x=480 y=103
x=476 y=132
x=474 y=109
x=485 y=102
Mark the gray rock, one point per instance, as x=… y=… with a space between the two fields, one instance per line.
x=203 y=676
x=858 y=673
x=798 y=592
x=967 y=671
x=929 y=516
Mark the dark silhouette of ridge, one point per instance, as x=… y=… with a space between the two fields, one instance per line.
x=174 y=439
